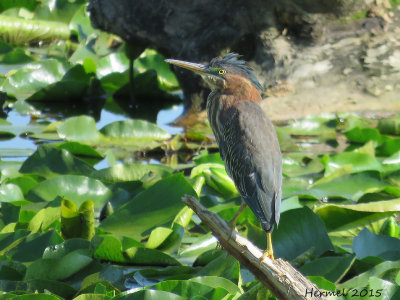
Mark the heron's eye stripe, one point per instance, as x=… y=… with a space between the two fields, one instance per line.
x=221 y=72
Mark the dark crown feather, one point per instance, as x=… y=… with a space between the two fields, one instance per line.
x=232 y=64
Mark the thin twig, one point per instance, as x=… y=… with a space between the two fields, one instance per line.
x=278 y=275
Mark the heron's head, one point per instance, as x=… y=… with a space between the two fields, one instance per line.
x=224 y=73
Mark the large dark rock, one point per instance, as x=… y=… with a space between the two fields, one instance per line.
x=291 y=44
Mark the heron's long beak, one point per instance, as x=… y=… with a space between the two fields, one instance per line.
x=197 y=68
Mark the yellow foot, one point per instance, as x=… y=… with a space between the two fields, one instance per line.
x=267 y=253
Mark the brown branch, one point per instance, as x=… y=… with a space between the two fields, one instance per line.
x=284 y=281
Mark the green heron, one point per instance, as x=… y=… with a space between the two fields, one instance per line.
x=246 y=137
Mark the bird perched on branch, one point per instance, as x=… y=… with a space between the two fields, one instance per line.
x=246 y=137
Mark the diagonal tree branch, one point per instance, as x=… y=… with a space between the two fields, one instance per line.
x=285 y=282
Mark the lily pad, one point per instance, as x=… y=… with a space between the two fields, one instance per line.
x=33 y=76
x=50 y=162
x=359 y=162
x=370 y=244
x=156 y=206
x=76 y=187
x=130 y=172
x=79 y=129
x=135 y=130
x=352 y=186
x=333 y=268
x=299 y=231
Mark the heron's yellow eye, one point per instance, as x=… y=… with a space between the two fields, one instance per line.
x=221 y=72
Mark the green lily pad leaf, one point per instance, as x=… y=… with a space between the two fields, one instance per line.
x=32 y=247
x=363 y=135
x=44 y=219
x=154 y=207
x=352 y=186
x=390 y=126
x=65 y=90
x=362 y=279
x=4 y=47
x=97 y=286
x=312 y=125
x=93 y=296
x=59 y=11
x=56 y=287
x=75 y=187
x=215 y=281
x=158 y=236
x=33 y=76
x=387 y=289
x=85 y=51
x=391 y=164
x=370 y=244
x=216 y=177
x=205 y=158
x=322 y=283
x=116 y=62
x=150 y=295
x=114 y=81
x=389 y=146
x=145 y=86
x=298 y=165
x=79 y=129
x=77 y=223
x=74 y=86
x=25 y=182
x=59 y=268
x=199 y=245
x=359 y=162
x=62 y=249
x=17 y=56
x=82 y=151
x=150 y=59
x=340 y=217
x=190 y=289
x=258 y=291
x=167 y=273
x=131 y=172
x=36 y=296
x=10 y=270
x=50 y=162
x=223 y=266
x=11 y=193
x=333 y=268
x=146 y=256
x=111 y=249
x=299 y=231
x=165 y=242
x=80 y=24
x=11 y=239
x=134 y=130
x=390 y=227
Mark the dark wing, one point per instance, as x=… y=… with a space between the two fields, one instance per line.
x=253 y=159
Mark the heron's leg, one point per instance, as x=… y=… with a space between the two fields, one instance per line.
x=232 y=222
x=270 y=251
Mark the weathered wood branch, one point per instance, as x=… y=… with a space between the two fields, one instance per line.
x=284 y=281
